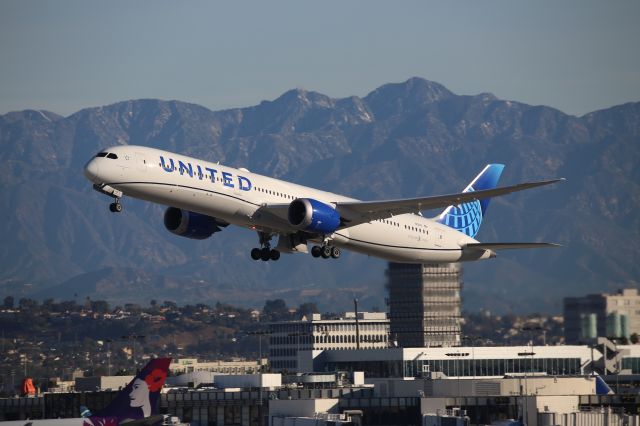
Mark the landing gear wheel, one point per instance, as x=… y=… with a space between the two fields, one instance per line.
x=326 y=252
x=265 y=254
x=256 y=254
x=316 y=251
x=335 y=252
x=115 y=207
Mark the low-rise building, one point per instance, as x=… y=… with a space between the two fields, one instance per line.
x=101 y=383
x=528 y=399
x=367 y=330
x=234 y=366
x=456 y=361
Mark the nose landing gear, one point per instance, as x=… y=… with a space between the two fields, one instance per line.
x=115 y=207
x=116 y=194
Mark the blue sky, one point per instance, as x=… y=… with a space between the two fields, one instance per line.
x=62 y=56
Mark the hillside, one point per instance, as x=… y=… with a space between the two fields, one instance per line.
x=401 y=140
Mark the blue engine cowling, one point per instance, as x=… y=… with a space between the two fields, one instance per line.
x=189 y=224
x=312 y=215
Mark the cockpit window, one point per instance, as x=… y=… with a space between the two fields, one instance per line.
x=101 y=154
x=112 y=156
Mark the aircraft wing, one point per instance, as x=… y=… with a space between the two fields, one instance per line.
x=357 y=212
x=275 y=214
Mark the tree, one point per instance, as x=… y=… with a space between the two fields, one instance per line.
x=167 y=304
x=27 y=304
x=68 y=306
x=306 y=309
x=276 y=310
x=189 y=310
x=8 y=302
x=48 y=305
x=134 y=308
x=100 y=306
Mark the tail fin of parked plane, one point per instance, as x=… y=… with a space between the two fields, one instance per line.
x=140 y=398
x=467 y=217
x=602 y=388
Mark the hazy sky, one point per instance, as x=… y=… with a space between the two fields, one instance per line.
x=62 y=56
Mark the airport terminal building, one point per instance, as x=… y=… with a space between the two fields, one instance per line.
x=366 y=330
x=455 y=361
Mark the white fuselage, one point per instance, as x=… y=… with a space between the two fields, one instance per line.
x=235 y=195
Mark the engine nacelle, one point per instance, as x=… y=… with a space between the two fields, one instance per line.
x=312 y=215
x=189 y=224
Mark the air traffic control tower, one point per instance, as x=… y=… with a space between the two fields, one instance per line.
x=424 y=304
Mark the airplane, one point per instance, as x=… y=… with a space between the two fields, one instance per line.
x=203 y=197
x=135 y=405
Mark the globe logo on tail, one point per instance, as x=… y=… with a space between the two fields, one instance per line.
x=465 y=218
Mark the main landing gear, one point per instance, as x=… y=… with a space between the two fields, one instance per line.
x=325 y=251
x=265 y=253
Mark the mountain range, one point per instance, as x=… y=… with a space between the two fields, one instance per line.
x=401 y=140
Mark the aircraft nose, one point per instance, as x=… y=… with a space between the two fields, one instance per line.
x=91 y=170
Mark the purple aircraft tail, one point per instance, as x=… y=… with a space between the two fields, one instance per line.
x=139 y=399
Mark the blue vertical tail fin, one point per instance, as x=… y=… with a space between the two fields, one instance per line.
x=602 y=388
x=467 y=217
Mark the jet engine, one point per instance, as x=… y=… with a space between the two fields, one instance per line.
x=314 y=216
x=189 y=224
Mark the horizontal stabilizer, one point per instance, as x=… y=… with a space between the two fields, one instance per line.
x=507 y=246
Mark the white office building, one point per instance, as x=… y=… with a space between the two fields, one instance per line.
x=369 y=330
x=497 y=361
